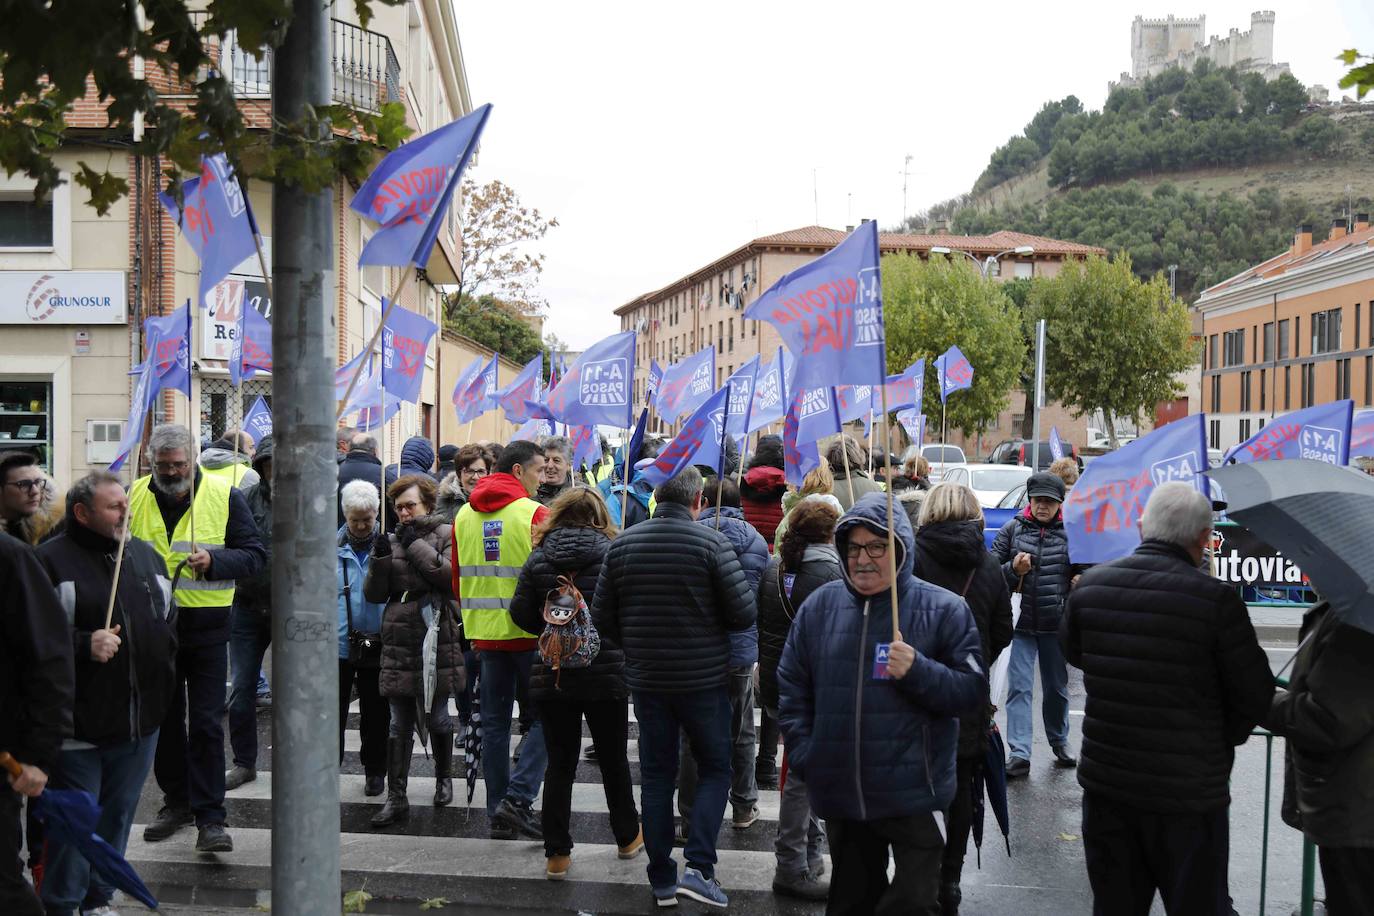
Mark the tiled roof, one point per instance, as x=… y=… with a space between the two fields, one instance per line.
x=1285 y=261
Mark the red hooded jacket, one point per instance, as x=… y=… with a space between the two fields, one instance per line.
x=761 y=500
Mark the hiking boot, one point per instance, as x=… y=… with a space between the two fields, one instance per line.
x=744 y=817
x=633 y=848
x=397 y=806
x=238 y=776
x=1062 y=757
x=1017 y=766
x=696 y=886
x=213 y=838
x=518 y=819
x=556 y=867
x=168 y=822
x=802 y=886
x=443 y=768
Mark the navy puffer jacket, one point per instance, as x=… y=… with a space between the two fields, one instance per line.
x=867 y=748
x=1046 y=587
x=752 y=551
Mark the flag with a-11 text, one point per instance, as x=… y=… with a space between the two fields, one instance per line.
x=685 y=385
x=252 y=347
x=258 y=421
x=1319 y=433
x=698 y=443
x=215 y=219
x=166 y=365
x=1056 y=444
x=522 y=389
x=596 y=389
x=770 y=392
x=475 y=392
x=405 y=338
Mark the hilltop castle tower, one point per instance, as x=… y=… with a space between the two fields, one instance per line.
x=1157 y=44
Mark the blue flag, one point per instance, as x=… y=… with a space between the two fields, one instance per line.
x=344 y=373
x=405 y=338
x=368 y=391
x=698 y=443
x=167 y=365
x=514 y=398
x=904 y=391
x=800 y=456
x=1103 y=508
x=636 y=444
x=596 y=390
x=955 y=372
x=817 y=414
x=258 y=422
x=655 y=378
x=1362 y=434
x=252 y=348
x=1056 y=444
x=770 y=392
x=586 y=446
x=465 y=380
x=1321 y=433
x=915 y=425
x=741 y=386
x=686 y=385
x=830 y=314
x=215 y=219
x=410 y=190
x=478 y=395
x=854 y=401
x=533 y=430
x=370 y=418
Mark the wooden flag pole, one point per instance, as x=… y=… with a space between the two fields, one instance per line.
x=191 y=420
x=891 y=528
x=626 y=475
x=376 y=336
x=844 y=456
x=870 y=441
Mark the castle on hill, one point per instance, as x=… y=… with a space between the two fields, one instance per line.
x=1158 y=44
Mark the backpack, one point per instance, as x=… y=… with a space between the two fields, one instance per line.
x=636 y=507
x=569 y=639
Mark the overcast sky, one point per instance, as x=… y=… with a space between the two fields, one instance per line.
x=665 y=135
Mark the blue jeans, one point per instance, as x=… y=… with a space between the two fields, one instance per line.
x=500 y=672
x=115 y=776
x=704 y=716
x=250 y=633
x=1054 y=681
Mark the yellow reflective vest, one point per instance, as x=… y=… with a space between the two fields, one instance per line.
x=232 y=474
x=212 y=520
x=491 y=549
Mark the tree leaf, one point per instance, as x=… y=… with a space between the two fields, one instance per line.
x=434 y=903
x=105 y=188
x=356 y=901
x=1068 y=837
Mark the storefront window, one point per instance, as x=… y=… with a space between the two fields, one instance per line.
x=217 y=411
x=26 y=418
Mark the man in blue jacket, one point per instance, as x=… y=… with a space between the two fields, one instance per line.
x=871 y=722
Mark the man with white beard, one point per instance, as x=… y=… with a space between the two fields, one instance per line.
x=224 y=546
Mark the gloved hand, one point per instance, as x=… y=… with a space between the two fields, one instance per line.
x=381 y=546
x=407 y=534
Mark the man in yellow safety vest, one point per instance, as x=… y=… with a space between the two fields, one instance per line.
x=223 y=460
x=223 y=546
x=492 y=538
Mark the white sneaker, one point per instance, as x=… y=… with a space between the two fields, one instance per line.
x=106 y=910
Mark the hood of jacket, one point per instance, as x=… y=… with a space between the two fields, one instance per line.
x=763 y=482
x=956 y=544
x=871 y=512
x=709 y=514
x=263 y=451
x=417 y=455
x=451 y=497
x=820 y=553
x=574 y=548
x=216 y=458
x=496 y=491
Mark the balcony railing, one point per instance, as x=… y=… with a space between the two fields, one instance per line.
x=366 y=71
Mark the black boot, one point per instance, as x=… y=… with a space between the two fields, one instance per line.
x=950 y=897
x=397 y=807
x=443 y=771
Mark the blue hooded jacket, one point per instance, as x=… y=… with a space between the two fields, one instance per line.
x=417 y=457
x=367 y=615
x=752 y=551
x=870 y=748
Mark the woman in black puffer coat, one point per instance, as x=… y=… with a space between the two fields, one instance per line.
x=573 y=542
x=950 y=553
x=806 y=560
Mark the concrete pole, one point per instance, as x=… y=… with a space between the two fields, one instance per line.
x=1039 y=392
x=305 y=782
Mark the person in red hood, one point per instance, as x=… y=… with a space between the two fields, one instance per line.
x=492 y=537
x=762 y=489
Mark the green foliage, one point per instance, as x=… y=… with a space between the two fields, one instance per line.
x=929 y=306
x=1210 y=238
x=1113 y=341
x=434 y=903
x=356 y=901
x=1361 y=77
x=50 y=51
x=491 y=323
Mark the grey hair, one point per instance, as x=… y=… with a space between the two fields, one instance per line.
x=365 y=442
x=682 y=489
x=846 y=446
x=1176 y=513
x=359 y=495
x=557 y=443
x=168 y=438
x=83 y=491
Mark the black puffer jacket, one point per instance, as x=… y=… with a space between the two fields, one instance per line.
x=1327 y=715
x=952 y=556
x=1045 y=587
x=133 y=689
x=820 y=564
x=576 y=552
x=1175 y=680
x=255 y=592
x=407 y=579
x=669 y=592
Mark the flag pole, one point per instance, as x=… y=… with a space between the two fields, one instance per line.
x=376 y=336
x=870 y=441
x=891 y=527
x=627 y=475
x=942 y=437
x=844 y=456
x=124 y=534
x=191 y=419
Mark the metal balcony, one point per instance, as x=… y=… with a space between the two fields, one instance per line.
x=366 y=71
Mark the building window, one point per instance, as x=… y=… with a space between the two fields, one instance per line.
x=1214 y=433
x=1023 y=270
x=1297 y=337
x=1283 y=339
x=1245 y=391
x=1357 y=325
x=1368 y=380
x=731 y=338
x=1309 y=384
x=1244 y=430
x=1212 y=362
x=1216 y=394
x=1326 y=331
x=24 y=222
x=26 y=419
x=1264 y=390
x=1342 y=379
x=1269 y=342
x=1234 y=344
x=1371 y=324
x=1287 y=387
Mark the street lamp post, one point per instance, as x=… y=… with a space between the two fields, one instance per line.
x=984 y=266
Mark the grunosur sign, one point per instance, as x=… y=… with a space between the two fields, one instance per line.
x=1262 y=573
x=44 y=297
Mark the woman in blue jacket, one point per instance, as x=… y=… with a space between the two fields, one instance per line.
x=871 y=722
x=360 y=504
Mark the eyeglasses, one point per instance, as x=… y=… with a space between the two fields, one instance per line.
x=165 y=466
x=875 y=549
x=474 y=472
x=408 y=507
x=28 y=486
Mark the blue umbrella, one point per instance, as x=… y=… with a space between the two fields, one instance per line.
x=991 y=779
x=71 y=816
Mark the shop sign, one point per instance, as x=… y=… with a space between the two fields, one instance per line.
x=244 y=285
x=1262 y=573
x=53 y=297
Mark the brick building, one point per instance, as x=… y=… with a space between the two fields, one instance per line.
x=1290 y=332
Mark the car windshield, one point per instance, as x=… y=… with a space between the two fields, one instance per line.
x=945 y=454
x=999 y=480
x=1014 y=499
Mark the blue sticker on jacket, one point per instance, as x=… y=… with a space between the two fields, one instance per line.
x=492 y=529
x=788 y=579
x=491 y=549
x=880 y=653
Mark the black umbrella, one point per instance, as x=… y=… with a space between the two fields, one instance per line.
x=472 y=740
x=991 y=779
x=1320 y=516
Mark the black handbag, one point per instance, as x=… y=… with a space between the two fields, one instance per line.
x=364 y=649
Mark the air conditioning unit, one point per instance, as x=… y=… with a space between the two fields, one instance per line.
x=102 y=440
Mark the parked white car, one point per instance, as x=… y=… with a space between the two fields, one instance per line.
x=989 y=482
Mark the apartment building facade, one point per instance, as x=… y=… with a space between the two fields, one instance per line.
x=75 y=287
x=1291 y=332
